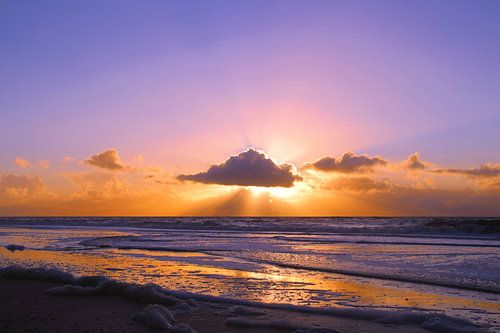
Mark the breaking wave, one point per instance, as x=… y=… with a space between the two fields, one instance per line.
x=390 y=225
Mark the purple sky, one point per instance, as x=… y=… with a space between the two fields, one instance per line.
x=182 y=85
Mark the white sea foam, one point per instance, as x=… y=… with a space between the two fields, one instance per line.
x=245 y=310
x=183 y=308
x=148 y=293
x=38 y=274
x=155 y=316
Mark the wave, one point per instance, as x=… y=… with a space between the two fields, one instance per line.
x=382 y=225
x=392 y=241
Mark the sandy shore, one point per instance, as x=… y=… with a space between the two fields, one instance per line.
x=26 y=307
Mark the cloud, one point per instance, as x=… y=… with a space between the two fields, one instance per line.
x=108 y=159
x=139 y=158
x=102 y=193
x=44 y=164
x=248 y=168
x=348 y=163
x=100 y=186
x=358 y=184
x=413 y=162
x=487 y=170
x=22 y=163
x=20 y=187
x=367 y=196
x=68 y=159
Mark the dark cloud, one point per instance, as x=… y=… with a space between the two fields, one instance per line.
x=348 y=163
x=248 y=168
x=413 y=162
x=108 y=159
x=484 y=171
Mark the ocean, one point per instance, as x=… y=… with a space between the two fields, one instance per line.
x=429 y=264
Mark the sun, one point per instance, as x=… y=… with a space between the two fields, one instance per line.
x=287 y=193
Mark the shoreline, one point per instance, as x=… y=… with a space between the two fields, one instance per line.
x=45 y=295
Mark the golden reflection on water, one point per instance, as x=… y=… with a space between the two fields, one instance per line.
x=270 y=284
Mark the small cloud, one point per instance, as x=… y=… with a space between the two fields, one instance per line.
x=348 y=163
x=44 y=164
x=22 y=163
x=68 y=159
x=413 y=162
x=139 y=158
x=487 y=170
x=108 y=159
x=248 y=168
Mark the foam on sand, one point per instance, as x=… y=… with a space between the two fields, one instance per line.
x=37 y=274
x=432 y=321
x=183 y=308
x=148 y=293
x=245 y=311
x=155 y=316
x=151 y=293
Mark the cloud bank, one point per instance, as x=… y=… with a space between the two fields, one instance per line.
x=484 y=171
x=348 y=163
x=355 y=185
x=248 y=168
x=18 y=188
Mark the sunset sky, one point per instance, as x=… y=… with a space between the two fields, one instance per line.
x=250 y=107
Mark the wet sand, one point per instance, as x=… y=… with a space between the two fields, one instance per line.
x=25 y=307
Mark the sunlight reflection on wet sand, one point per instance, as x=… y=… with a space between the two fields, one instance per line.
x=270 y=285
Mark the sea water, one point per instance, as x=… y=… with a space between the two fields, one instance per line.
x=442 y=265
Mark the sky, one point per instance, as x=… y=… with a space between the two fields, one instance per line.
x=249 y=107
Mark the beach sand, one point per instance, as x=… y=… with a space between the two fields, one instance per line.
x=26 y=307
